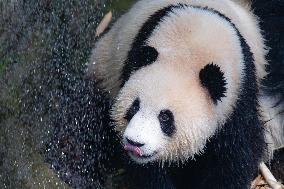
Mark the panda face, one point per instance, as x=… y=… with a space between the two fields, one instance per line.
x=169 y=108
x=164 y=118
x=157 y=126
x=144 y=143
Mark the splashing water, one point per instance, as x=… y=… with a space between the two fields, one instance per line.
x=50 y=114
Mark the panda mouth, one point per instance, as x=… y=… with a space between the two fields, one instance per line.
x=137 y=152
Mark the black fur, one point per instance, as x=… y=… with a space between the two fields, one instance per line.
x=231 y=157
x=167 y=122
x=139 y=57
x=150 y=176
x=277 y=164
x=271 y=15
x=213 y=79
x=233 y=154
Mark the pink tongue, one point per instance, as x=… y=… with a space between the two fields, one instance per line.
x=133 y=149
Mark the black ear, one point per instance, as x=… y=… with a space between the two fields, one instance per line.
x=213 y=79
x=143 y=56
x=137 y=58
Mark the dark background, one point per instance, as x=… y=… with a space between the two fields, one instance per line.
x=44 y=46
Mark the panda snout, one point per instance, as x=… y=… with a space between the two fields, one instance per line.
x=142 y=137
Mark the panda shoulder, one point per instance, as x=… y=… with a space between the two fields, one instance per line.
x=110 y=52
x=102 y=64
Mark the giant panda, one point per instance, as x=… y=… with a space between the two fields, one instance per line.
x=190 y=104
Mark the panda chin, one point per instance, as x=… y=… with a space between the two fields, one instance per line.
x=144 y=158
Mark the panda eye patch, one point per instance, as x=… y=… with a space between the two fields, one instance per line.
x=132 y=110
x=166 y=119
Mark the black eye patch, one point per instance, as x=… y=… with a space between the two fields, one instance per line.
x=134 y=108
x=213 y=79
x=166 y=119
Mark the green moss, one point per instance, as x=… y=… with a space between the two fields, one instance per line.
x=3 y=65
x=119 y=5
x=42 y=175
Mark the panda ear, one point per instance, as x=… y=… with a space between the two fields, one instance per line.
x=213 y=79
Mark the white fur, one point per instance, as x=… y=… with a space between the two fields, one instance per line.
x=192 y=45
x=194 y=122
x=172 y=82
x=145 y=128
x=111 y=51
x=186 y=40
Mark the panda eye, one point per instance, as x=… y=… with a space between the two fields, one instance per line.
x=132 y=110
x=166 y=119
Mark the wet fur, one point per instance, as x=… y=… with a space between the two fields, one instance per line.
x=231 y=156
x=272 y=22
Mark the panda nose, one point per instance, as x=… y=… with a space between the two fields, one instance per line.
x=133 y=143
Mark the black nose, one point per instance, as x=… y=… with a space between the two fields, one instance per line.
x=134 y=143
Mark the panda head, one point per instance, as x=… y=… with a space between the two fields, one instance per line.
x=165 y=113
x=180 y=84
